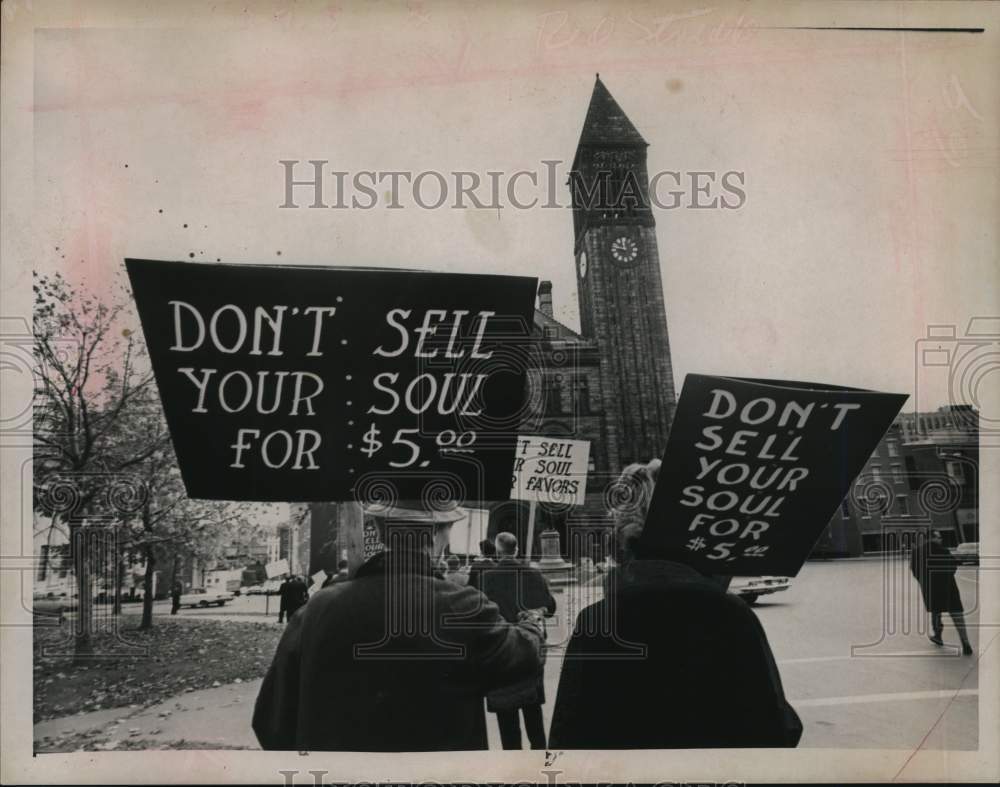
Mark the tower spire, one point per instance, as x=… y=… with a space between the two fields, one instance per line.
x=606 y=122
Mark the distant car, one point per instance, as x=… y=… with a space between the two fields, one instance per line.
x=254 y=590
x=49 y=606
x=967 y=554
x=200 y=597
x=751 y=588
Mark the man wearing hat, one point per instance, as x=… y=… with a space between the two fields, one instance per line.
x=405 y=657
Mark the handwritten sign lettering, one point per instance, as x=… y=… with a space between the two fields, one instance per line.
x=550 y=470
x=754 y=469
x=283 y=383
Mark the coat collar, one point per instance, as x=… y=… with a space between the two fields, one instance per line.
x=399 y=562
x=646 y=573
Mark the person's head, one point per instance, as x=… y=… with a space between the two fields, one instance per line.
x=506 y=544
x=633 y=493
x=342 y=565
x=937 y=537
x=429 y=537
x=486 y=548
x=453 y=562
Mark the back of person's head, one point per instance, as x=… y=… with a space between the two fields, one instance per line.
x=453 y=562
x=632 y=495
x=342 y=565
x=506 y=544
x=486 y=548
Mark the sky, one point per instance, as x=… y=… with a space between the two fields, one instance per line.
x=869 y=163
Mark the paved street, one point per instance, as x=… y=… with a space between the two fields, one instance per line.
x=855 y=667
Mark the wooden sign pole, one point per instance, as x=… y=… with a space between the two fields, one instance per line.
x=532 y=510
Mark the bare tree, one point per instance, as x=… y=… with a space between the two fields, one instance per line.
x=89 y=374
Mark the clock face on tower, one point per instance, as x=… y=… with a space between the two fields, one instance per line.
x=583 y=265
x=624 y=249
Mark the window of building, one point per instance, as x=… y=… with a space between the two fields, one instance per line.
x=62 y=560
x=892 y=447
x=553 y=396
x=897 y=473
x=876 y=471
x=550 y=333
x=902 y=506
x=955 y=470
x=583 y=395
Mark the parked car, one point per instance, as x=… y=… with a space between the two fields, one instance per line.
x=751 y=588
x=254 y=590
x=49 y=606
x=967 y=554
x=200 y=597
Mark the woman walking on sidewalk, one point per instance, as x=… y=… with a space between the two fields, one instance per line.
x=934 y=567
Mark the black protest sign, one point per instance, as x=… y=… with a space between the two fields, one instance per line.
x=754 y=469
x=289 y=383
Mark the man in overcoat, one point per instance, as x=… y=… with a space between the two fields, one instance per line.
x=516 y=587
x=404 y=657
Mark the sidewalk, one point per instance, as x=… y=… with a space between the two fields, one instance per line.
x=216 y=718
x=219 y=716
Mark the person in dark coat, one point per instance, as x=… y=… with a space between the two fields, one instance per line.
x=934 y=567
x=283 y=595
x=175 y=596
x=293 y=593
x=668 y=659
x=406 y=658
x=484 y=561
x=516 y=587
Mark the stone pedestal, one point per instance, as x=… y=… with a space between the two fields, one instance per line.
x=556 y=570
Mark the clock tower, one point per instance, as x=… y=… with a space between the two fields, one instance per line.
x=619 y=285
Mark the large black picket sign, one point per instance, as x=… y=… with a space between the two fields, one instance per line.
x=754 y=469
x=285 y=383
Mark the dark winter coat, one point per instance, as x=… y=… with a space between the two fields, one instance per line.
x=479 y=567
x=934 y=568
x=516 y=587
x=392 y=687
x=669 y=660
x=293 y=594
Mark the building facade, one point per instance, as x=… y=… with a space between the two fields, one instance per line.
x=923 y=475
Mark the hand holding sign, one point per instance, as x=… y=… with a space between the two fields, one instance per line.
x=754 y=469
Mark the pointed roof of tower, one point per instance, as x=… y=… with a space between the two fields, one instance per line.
x=606 y=122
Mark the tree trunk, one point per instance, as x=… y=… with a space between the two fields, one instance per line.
x=147 y=589
x=118 y=587
x=83 y=647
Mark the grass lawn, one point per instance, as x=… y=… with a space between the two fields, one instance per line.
x=136 y=667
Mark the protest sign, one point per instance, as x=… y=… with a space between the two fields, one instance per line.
x=550 y=470
x=754 y=469
x=286 y=383
x=277 y=568
x=371 y=543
